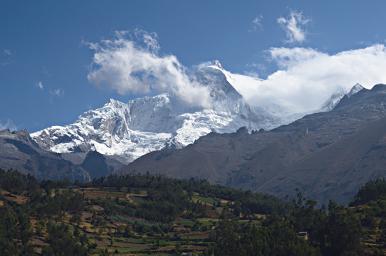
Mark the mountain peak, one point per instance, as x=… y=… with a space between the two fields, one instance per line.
x=338 y=96
x=129 y=130
x=115 y=103
x=355 y=89
x=20 y=135
x=216 y=64
x=379 y=87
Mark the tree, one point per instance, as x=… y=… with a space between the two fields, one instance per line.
x=62 y=242
x=276 y=237
x=342 y=231
x=8 y=232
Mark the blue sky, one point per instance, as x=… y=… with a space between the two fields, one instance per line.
x=45 y=58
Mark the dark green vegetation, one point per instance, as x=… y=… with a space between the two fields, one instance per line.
x=153 y=215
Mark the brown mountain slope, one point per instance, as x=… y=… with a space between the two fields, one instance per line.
x=327 y=155
x=338 y=170
x=19 y=152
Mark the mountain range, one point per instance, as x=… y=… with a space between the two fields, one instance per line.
x=126 y=131
x=20 y=152
x=327 y=154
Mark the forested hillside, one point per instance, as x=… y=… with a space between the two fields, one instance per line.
x=154 y=215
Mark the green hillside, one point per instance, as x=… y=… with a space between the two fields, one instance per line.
x=153 y=215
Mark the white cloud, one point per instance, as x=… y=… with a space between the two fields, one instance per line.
x=306 y=78
x=7 y=52
x=257 y=23
x=5 y=57
x=293 y=26
x=9 y=124
x=149 y=39
x=131 y=64
x=57 y=92
x=287 y=57
x=40 y=85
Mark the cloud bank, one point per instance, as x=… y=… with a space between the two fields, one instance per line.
x=294 y=26
x=306 y=78
x=130 y=63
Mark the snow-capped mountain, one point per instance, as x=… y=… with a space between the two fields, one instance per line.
x=127 y=131
x=331 y=103
x=355 y=89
